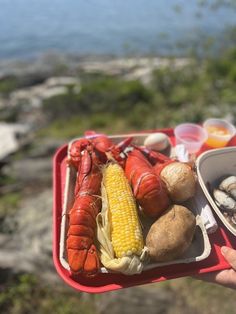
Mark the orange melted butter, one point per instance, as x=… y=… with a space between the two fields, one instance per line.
x=217 y=131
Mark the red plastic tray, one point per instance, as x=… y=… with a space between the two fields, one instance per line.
x=108 y=282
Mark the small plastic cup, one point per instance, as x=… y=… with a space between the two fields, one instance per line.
x=219 y=132
x=191 y=135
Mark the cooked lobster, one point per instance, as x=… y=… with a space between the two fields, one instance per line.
x=81 y=251
x=148 y=189
x=87 y=155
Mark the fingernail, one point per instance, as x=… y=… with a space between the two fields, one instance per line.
x=224 y=250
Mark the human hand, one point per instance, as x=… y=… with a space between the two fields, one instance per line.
x=227 y=277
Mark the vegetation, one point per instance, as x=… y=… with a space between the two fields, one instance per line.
x=200 y=89
x=7 y=85
x=25 y=293
x=8 y=206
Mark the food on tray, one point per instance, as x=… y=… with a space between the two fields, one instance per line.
x=119 y=230
x=81 y=250
x=115 y=183
x=225 y=198
x=171 y=235
x=157 y=141
x=126 y=233
x=87 y=156
x=148 y=188
x=179 y=177
x=180 y=180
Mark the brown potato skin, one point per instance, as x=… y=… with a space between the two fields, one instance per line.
x=171 y=234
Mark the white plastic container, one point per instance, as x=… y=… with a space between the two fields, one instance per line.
x=216 y=129
x=199 y=249
x=211 y=167
x=191 y=135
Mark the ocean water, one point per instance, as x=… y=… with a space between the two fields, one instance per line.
x=29 y=28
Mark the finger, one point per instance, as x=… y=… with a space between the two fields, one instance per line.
x=230 y=255
x=226 y=278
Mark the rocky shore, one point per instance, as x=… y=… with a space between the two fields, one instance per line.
x=42 y=79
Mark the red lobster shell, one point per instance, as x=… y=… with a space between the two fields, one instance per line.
x=148 y=189
x=87 y=155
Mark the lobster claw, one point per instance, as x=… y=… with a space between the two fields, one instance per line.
x=149 y=190
x=153 y=156
x=75 y=151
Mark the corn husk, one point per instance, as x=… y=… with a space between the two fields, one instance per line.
x=128 y=265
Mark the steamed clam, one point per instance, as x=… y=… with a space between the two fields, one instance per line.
x=229 y=186
x=225 y=198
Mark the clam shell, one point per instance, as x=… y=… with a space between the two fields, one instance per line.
x=233 y=219
x=224 y=201
x=229 y=185
x=157 y=141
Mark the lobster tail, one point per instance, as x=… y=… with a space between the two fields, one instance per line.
x=84 y=261
x=81 y=251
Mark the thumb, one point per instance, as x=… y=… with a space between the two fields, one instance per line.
x=230 y=255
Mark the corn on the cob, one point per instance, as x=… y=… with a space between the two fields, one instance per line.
x=126 y=233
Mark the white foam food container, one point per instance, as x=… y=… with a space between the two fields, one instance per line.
x=199 y=249
x=212 y=166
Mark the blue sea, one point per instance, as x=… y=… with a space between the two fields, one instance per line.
x=29 y=28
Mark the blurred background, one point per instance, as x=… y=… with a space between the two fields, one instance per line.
x=112 y=66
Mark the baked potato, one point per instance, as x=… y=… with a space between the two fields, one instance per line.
x=171 y=235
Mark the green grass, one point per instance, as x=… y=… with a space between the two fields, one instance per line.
x=203 y=297
x=8 y=206
x=27 y=294
x=9 y=202
x=207 y=298
x=8 y=85
x=77 y=125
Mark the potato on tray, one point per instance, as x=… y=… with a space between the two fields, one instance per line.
x=126 y=207
x=171 y=235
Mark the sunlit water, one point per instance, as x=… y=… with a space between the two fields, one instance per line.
x=32 y=27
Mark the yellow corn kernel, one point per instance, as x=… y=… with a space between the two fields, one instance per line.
x=126 y=233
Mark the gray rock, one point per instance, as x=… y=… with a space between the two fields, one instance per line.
x=29 y=248
x=30 y=170
x=61 y=81
x=3 y=103
x=45 y=147
x=10 y=138
x=53 y=91
x=33 y=96
x=135 y=300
